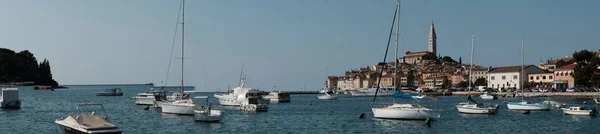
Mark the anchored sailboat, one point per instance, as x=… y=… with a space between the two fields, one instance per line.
x=471 y=106
x=525 y=105
x=397 y=110
x=181 y=105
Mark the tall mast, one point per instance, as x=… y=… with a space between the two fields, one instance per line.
x=387 y=47
x=182 y=42
x=522 y=68
x=396 y=53
x=471 y=68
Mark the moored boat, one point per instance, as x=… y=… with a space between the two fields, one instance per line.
x=277 y=97
x=207 y=113
x=87 y=123
x=10 y=98
x=579 y=111
x=110 y=92
x=367 y=92
x=253 y=102
x=180 y=107
x=327 y=96
x=488 y=96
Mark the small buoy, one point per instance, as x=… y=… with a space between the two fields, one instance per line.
x=428 y=122
x=147 y=107
x=526 y=112
x=362 y=116
x=310 y=104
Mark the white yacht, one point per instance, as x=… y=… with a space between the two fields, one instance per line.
x=579 y=111
x=236 y=96
x=327 y=96
x=383 y=91
x=87 y=123
x=207 y=113
x=277 y=97
x=10 y=98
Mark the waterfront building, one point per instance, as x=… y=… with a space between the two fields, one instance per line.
x=553 y=64
x=510 y=76
x=478 y=73
x=541 y=80
x=563 y=77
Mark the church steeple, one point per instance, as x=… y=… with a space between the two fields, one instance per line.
x=432 y=39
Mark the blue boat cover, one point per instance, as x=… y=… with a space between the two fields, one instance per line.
x=404 y=96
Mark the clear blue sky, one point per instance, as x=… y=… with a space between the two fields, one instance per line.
x=281 y=42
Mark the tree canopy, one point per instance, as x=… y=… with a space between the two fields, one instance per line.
x=587 y=64
x=23 y=67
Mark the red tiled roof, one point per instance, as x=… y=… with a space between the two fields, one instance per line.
x=567 y=67
x=509 y=69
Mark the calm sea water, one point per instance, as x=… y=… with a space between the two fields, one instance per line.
x=40 y=108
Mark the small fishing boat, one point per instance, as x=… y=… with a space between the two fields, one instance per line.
x=87 y=123
x=597 y=100
x=180 y=107
x=488 y=96
x=110 y=92
x=10 y=98
x=327 y=96
x=207 y=113
x=579 y=111
x=254 y=103
x=149 y=97
x=472 y=107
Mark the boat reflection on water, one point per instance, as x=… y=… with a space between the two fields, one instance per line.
x=392 y=126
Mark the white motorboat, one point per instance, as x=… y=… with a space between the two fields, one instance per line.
x=181 y=107
x=10 y=98
x=327 y=96
x=87 y=123
x=169 y=99
x=277 y=97
x=579 y=111
x=383 y=91
x=405 y=111
x=253 y=103
x=525 y=105
x=488 y=96
x=207 y=113
x=148 y=98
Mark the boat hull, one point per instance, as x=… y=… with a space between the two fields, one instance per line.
x=327 y=97
x=533 y=107
x=227 y=100
x=144 y=100
x=367 y=94
x=109 y=94
x=404 y=114
x=10 y=104
x=488 y=97
x=254 y=108
x=214 y=116
x=476 y=110
x=67 y=129
x=178 y=109
x=579 y=112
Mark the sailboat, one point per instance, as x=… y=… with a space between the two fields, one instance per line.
x=471 y=106
x=525 y=105
x=207 y=114
x=397 y=110
x=181 y=105
x=325 y=95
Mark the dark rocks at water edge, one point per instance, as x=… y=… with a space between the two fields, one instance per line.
x=22 y=68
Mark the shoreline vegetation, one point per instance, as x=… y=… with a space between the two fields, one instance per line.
x=23 y=69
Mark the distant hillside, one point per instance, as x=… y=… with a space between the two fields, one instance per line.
x=23 y=67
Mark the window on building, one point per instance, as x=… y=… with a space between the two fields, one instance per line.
x=549 y=77
x=543 y=77
x=531 y=77
x=515 y=85
x=503 y=77
x=537 y=77
x=493 y=77
x=515 y=77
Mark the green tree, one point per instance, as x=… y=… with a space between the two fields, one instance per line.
x=587 y=64
x=462 y=84
x=448 y=59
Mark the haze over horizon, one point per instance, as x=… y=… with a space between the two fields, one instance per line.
x=280 y=42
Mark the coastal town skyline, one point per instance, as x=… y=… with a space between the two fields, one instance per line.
x=288 y=48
